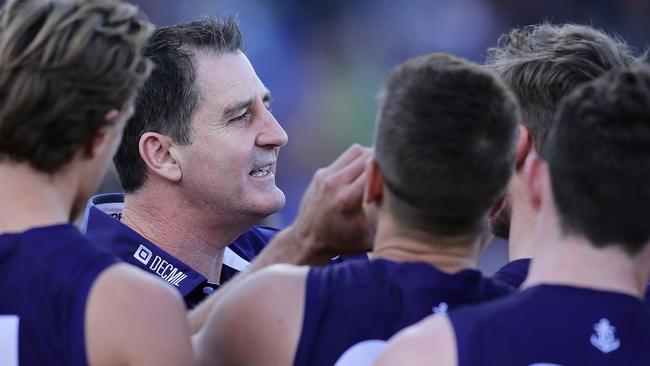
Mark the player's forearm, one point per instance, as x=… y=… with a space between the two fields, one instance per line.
x=293 y=247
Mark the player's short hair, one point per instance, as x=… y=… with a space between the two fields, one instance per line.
x=445 y=142
x=598 y=153
x=543 y=63
x=63 y=66
x=169 y=98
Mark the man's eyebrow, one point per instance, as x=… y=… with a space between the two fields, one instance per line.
x=231 y=110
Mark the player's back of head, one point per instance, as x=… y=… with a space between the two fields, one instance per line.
x=63 y=66
x=543 y=63
x=599 y=159
x=445 y=141
x=169 y=98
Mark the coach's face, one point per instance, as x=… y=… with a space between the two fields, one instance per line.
x=230 y=164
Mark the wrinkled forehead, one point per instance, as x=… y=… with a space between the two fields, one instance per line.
x=225 y=79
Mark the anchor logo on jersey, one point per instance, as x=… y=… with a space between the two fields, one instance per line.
x=604 y=339
x=441 y=309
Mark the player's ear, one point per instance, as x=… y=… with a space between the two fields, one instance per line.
x=524 y=146
x=537 y=179
x=374 y=190
x=99 y=140
x=159 y=153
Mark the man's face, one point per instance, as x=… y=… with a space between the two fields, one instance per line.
x=229 y=167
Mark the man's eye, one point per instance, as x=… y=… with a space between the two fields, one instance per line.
x=244 y=117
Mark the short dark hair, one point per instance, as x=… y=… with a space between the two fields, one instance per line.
x=169 y=98
x=445 y=141
x=543 y=63
x=63 y=66
x=598 y=154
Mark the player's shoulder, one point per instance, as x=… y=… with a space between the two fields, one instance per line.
x=275 y=286
x=128 y=301
x=265 y=306
x=130 y=281
x=425 y=343
x=276 y=276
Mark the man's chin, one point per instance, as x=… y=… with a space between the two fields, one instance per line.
x=270 y=203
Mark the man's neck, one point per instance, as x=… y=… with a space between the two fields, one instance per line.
x=447 y=253
x=33 y=199
x=180 y=231
x=522 y=222
x=573 y=261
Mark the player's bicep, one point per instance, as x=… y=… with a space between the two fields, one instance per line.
x=134 y=318
x=258 y=322
x=429 y=342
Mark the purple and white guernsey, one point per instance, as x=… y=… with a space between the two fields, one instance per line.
x=554 y=325
x=47 y=273
x=514 y=273
x=361 y=300
x=102 y=225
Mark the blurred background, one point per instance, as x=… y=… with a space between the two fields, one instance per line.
x=324 y=60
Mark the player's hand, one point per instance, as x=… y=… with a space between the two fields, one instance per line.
x=331 y=221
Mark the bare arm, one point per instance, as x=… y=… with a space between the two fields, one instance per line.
x=429 y=342
x=330 y=222
x=258 y=323
x=133 y=318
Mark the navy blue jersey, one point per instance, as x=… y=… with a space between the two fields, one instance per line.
x=513 y=273
x=46 y=276
x=102 y=225
x=360 y=300
x=554 y=325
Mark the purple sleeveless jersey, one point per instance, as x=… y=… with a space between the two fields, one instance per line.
x=514 y=273
x=47 y=273
x=360 y=300
x=554 y=325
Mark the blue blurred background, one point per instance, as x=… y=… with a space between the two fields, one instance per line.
x=324 y=60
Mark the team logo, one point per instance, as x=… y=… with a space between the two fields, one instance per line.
x=604 y=339
x=142 y=254
x=441 y=309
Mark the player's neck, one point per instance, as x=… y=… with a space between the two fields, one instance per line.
x=522 y=222
x=573 y=261
x=449 y=254
x=33 y=199
x=175 y=230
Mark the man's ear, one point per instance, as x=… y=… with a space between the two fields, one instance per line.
x=524 y=146
x=96 y=143
x=159 y=154
x=537 y=179
x=374 y=191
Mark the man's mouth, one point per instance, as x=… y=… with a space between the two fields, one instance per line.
x=261 y=171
